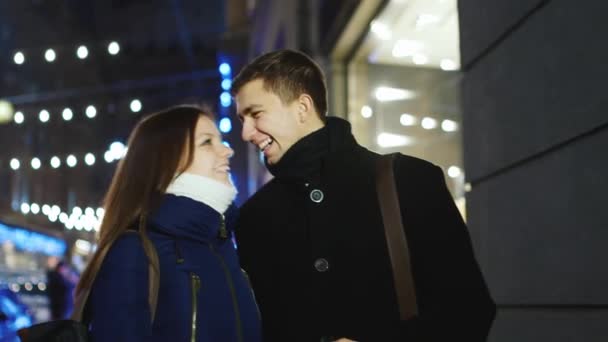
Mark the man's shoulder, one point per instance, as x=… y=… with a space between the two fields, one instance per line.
x=417 y=178
x=403 y=162
x=413 y=173
x=406 y=162
x=259 y=199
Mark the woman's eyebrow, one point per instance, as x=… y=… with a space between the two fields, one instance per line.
x=201 y=134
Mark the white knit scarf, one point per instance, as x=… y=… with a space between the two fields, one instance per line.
x=203 y=189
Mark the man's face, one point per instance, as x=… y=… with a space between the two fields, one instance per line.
x=270 y=125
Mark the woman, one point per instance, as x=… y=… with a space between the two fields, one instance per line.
x=173 y=189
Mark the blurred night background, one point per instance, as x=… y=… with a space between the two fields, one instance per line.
x=506 y=96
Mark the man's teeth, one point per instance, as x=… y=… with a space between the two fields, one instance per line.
x=265 y=144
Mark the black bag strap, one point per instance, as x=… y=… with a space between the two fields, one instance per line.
x=153 y=284
x=396 y=240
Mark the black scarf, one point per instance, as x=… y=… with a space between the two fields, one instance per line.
x=304 y=160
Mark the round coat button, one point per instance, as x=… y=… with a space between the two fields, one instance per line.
x=316 y=195
x=321 y=265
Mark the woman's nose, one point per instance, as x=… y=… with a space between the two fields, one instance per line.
x=227 y=151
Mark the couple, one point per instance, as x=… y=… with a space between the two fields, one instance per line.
x=311 y=239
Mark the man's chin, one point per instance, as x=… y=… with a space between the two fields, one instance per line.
x=272 y=160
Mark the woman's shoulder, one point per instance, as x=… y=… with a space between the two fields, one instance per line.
x=127 y=248
x=125 y=263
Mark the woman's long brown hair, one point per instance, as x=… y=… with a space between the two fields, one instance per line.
x=155 y=155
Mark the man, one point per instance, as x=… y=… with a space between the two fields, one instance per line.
x=312 y=239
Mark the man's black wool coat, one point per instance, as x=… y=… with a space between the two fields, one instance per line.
x=321 y=269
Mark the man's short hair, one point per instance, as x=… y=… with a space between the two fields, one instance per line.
x=288 y=74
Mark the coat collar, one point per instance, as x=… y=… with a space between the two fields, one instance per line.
x=183 y=217
x=305 y=160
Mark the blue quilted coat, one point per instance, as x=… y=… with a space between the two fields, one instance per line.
x=204 y=295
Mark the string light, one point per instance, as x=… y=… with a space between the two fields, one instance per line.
x=226 y=84
x=44 y=116
x=89 y=159
x=225 y=99
x=67 y=114
x=225 y=123
x=91 y=111
x=35 y=163
x=34 y=208
x=82 y=52
x=113 y=48
x=108 y=157
x=225 y=69
x=55 y=162
x=25 y=208
x=116 y=151
x=91 y=218
x=63 y=218
x=19 y=58
x=18 y=118
x=50 y=55
x=135 y=106
x=88 y=220
x=71 y=160
x=15 y=164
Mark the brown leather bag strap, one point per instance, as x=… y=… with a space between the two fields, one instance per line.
x=395 y=237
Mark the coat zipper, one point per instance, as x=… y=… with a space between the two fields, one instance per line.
x=195 y=281
x=223 y=231
x=235 y=304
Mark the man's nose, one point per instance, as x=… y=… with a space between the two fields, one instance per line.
x=248 y=130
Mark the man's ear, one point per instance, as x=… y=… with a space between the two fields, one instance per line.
x=306 y=108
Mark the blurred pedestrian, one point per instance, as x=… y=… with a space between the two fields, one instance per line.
x=61 y=280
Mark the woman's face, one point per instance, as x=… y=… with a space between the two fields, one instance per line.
x=210 y=157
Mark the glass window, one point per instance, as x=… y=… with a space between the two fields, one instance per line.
x=403 y=86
